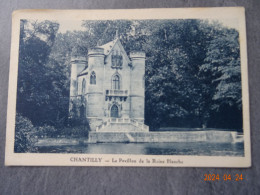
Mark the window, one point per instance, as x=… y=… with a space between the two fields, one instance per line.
x=93 y=78
x=116 y=82
x=83 y=87
x=116 y=60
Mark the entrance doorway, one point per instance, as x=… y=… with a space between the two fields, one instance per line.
x=114 y=111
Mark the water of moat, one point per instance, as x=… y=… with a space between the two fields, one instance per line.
x=191 y=148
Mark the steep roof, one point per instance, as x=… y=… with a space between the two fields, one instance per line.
x=108 y=47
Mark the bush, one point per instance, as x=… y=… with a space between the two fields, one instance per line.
x=47 y=131
x=25 y=135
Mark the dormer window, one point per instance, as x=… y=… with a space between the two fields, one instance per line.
x=93 y=78
x=116 y=60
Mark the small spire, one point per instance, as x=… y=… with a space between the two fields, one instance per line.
x=116 y=37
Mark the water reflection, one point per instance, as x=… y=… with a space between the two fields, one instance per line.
x=196 y=148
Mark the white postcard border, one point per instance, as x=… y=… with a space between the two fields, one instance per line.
x=40 y=159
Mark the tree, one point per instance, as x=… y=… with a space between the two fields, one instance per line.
x=179 y=50
x=222 y=62
x=41 y=91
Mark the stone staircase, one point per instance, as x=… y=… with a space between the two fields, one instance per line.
x=122 y=125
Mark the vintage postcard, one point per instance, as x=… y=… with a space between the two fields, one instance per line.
x=142 y=87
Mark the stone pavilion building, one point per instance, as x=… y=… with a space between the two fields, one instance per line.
x=110 y=91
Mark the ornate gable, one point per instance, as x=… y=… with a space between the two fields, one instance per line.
x=116 y=58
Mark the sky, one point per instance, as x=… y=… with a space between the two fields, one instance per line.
x=70 y=25
x=231 y=23
x=66 y=25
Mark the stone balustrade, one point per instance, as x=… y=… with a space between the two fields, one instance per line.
x=117 y=92
x=123 y=121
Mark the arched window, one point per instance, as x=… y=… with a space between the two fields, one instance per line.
x=83 y=87
x=116 y=82
x=114 y=111
x=93 y=78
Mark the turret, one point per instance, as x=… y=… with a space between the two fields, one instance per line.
x=95 y=85
x=137 y=85
x=77 y=65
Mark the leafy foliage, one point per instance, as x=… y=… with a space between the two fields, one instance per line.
x=24 y=135
x=47 y=131
x=41 y=95
x=223 y=62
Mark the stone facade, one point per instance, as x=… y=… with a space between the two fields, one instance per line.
x=109 y=91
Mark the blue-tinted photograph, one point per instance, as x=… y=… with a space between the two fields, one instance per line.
x=149 y=87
